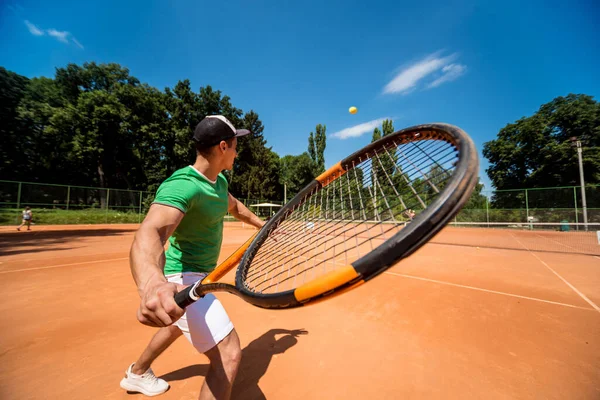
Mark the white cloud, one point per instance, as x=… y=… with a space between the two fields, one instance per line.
x=61 y=36
x=451 y=72
x=34 y=30
x=358 y=130
x=77 y=43
x=408 y=78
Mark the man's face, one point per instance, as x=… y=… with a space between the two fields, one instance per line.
x=230 y=154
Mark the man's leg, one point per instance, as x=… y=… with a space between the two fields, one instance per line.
x=208 y=328
x=225 y=360
x=139 y=377
x=159 y=343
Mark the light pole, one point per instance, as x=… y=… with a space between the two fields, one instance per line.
x=582 y=181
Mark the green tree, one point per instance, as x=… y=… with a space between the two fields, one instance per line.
x=97 y=125
x=317 y=142
x=97 y=118
x=475 y=209
x=389 y=175
x=75 y=80
x=388 y=127
x=376 y=135
x=144 y=128
x=536 y=151
x=44 y=154
x=14 y=138
x=296 y=172
x=184 y=108
x=256 y=169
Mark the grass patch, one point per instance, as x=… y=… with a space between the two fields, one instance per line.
x=69 y=217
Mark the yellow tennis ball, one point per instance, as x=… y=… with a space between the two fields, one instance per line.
x=353 y=110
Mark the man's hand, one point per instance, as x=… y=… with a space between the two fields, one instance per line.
x=157 y=305
x=298 y=332
x=147 y=260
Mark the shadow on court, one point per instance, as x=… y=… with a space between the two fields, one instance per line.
x=34 y=241
x=256 y=358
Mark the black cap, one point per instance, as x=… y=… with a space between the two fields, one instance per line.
x=214 y=128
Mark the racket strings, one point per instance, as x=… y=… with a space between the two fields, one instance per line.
x=335 y=212
x=301 y=217
x=353 y=214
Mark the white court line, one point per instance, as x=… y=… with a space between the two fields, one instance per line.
x=522 y=245
x=63 y=265
x=487 y=291
x=568 y=284
x=562 y=279
x=597 y=257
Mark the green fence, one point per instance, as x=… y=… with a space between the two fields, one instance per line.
x=68 y=204
x=535 y=205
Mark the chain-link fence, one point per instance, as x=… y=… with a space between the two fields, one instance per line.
x=559 y=204
x=68 y=204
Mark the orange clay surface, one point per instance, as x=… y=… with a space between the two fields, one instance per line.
x=449 y=322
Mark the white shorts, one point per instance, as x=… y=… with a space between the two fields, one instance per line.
x=205 y=323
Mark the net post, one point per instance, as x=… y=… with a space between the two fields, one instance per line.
x=107 y=202
x=527 y=206
x=68 y=196
x=575 y=202
x=487 y=210
x=19 y=195
x=140 y=209
x=583 y=200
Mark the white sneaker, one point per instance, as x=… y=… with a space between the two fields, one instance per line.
x=147 y=383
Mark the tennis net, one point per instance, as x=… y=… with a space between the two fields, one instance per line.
x=559 y=237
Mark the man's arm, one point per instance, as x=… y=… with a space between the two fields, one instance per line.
x=147 y=259
x=241 y=212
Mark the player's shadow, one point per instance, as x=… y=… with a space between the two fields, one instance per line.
x=37 y=240
x=256 y=358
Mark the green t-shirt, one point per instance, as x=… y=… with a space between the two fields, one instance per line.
x=196 y=243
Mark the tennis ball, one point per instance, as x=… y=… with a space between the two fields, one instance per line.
x=353 y=110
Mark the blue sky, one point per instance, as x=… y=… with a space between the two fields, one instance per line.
x=478 y=65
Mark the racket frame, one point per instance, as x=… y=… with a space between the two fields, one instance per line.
x=423 y=227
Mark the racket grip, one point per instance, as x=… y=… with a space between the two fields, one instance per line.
x=186 y=296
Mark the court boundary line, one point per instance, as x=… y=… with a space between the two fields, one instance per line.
x=562 y=279
x=583 y=296
x=487 y=290
x=63 y=265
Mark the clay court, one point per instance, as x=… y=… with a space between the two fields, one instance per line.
x=453 y=321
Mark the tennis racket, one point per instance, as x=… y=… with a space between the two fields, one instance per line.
x=354 y=221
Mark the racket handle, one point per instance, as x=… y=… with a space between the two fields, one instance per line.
x=187 y=296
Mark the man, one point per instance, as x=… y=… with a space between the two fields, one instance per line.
x=188 y=211
x=27 y=218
